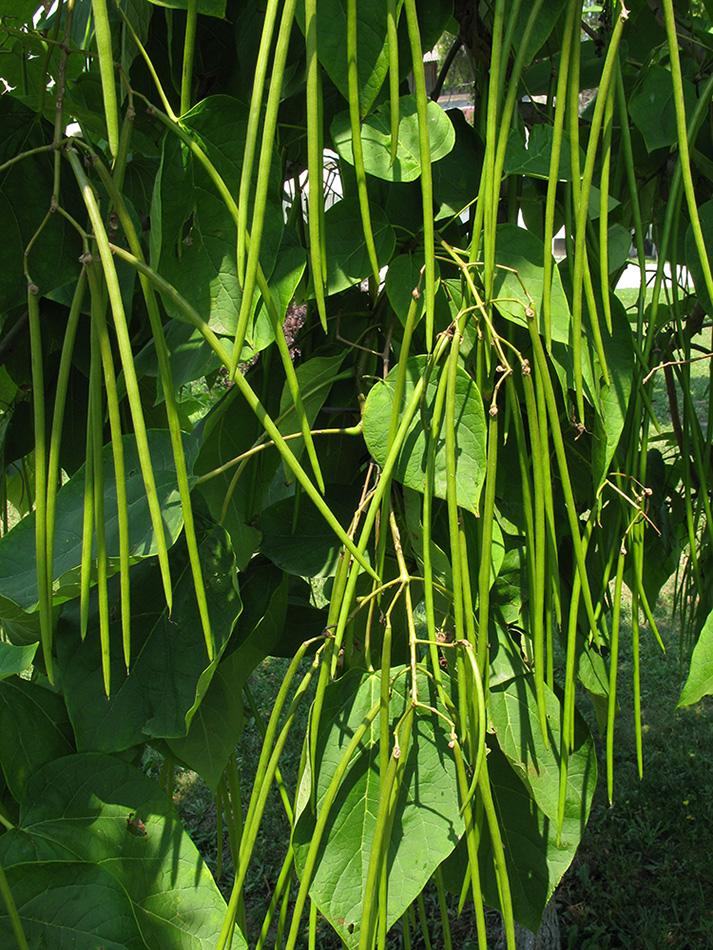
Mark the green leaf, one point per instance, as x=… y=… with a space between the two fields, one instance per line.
x=372 y=46
x=216 y=727
x=193 y=234
x=18 y=567
x=456 y=178
x=305 y=546
x=170 y=671
x=111 y=823
x=228 y=431
x=546 y=19
x=613 y=399
x=403 y=280
x=513 y=714
x=191 y=357
x=15 y=659
x=315 y=378
x=652 y=107
x=426 y=826
x=376 y=139
x=347 y=257
x=23 y=10
x=59 y=901
x=206 y=7
x=535 y=861
x=521 y=251
x=532 y=157
x=34 y=730
x=700 y=675
x=410 y=467
x=289 y=268
x=619 y=239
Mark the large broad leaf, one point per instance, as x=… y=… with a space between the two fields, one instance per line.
x=470 y=434
x=315 y=378
x=535 y=861
x=426 y=826
x=404 y=282
x=543 y=25
x=652 y=107
x=25 y=193
x=18 y=565
x=513 y=714
x=15 y=659
x=700 y=675
x=296 y=537
x=519 y=281
x=228 y=431
x=23 y=10
x=193 y=235
x=532 y=156
x=527 y=808
x=289 y=268
x=376 y=139
x=34 y=729
x=372 y=46
x=614 y=398
x=58 y=901
x=170 y=671
x=216 y=727
x=456 y=178
x=99 y=858
x=190 y=356
x=347 y=256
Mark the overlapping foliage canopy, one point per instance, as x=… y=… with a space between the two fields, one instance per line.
x=434 y=477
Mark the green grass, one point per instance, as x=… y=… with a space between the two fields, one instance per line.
x=643 y=876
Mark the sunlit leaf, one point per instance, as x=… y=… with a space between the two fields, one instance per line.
x=426 y=826
x=100 y=854
x=700 y=676
x=376 y=139
x=411 y=464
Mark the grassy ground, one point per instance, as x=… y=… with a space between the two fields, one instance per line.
x=643 y=877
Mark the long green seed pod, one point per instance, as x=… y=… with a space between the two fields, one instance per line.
x=357 y=149
x=102 y=31
x=314 y=159
x=127 y=362
x=174 y=424
x=263 y=175
x=44 y=570
x=95 y=396
x=112 y=400
x=613 y=667
x=251 y=134
x=424 y=149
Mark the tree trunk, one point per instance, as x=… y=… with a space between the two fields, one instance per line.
x=547 y=937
